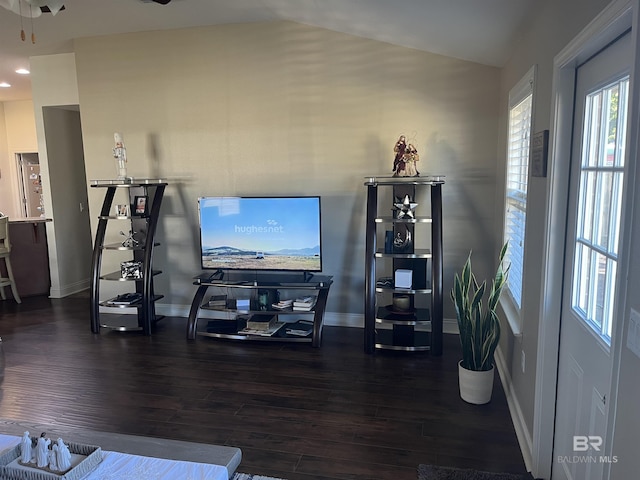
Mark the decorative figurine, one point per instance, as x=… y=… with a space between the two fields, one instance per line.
x=42 y=451
x=405 y=207
x=53 y=458
x=405 y=160
x=63 y=456
x=399 y=149
x=130 y=240
x=402 y=244
x=26 y=451
x=120 y=153
x=411 y=159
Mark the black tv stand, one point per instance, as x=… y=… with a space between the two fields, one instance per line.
x=230 y=319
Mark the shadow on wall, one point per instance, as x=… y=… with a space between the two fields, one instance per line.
x=468 y=210
x=343 y=251
x=178 y=226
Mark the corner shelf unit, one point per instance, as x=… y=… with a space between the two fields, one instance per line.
x=105 y=314
x=230 y=320
x=418 y=327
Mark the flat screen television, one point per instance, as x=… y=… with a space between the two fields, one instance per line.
x=260 y=233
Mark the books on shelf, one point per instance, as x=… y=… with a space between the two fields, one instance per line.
x=301 y=328
x=262 y=333
x=306 y=308
x=217 y=301
x=304 y=304
x=261 y=322
x=282 y=305
x=301 y=301
x=125 y=299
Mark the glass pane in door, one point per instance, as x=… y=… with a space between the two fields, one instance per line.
x=600 y=206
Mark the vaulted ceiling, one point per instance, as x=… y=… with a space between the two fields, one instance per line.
x=481 y=31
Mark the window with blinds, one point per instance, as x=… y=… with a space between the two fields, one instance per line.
x=519 y=135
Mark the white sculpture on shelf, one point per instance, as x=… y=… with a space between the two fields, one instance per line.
x=120 y=154
x=25 y=448
x=42 y=452
x=63 y=456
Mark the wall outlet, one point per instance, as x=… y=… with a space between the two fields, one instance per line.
x=522 y=360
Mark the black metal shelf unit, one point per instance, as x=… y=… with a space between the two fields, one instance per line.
x=415 y=328
x=104 y=312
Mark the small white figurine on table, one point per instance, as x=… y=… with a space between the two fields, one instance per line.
x=42 y=452
x=53 y=458
x=63 y=456
x=26 y=452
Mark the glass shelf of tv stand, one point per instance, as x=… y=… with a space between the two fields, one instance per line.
x=267 y=280
x=277 y=337
x=236 y=319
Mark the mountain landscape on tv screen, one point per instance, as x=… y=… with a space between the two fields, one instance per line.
x=228 y=257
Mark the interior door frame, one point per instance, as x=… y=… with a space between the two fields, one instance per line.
x=615 y=19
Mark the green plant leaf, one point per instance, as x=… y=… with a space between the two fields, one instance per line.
x=479 y=327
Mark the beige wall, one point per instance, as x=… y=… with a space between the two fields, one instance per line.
x=18 y=130
x=284 y=108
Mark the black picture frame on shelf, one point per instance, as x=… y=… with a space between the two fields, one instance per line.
x=140 y=207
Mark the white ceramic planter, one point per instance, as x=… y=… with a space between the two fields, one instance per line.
x=475 y=387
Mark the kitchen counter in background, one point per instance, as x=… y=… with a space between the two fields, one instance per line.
x=29 y=256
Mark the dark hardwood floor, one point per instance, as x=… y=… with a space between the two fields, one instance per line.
x=295 y=411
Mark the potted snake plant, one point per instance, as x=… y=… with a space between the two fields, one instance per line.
x=479 y=327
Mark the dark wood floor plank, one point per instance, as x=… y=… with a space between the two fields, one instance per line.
x=296 y=412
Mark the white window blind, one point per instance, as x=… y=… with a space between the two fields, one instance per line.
x=518 y=142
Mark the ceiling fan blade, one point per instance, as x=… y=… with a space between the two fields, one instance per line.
x=162 y=2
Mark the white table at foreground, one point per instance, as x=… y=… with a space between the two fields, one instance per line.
x=124 y=466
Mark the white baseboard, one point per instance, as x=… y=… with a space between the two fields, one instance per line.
x=525 y=438
x=66 y=290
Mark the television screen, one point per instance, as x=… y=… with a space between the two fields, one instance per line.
x=260 y=233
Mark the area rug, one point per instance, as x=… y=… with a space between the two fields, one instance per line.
x=433 y=472
x=246 y=476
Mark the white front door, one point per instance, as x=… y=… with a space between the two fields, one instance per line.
x=591 y=263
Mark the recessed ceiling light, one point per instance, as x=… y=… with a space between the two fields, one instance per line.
x=23 y=71
x=4 y=85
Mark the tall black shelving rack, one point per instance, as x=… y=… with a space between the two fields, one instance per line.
x=141 y=248
x=418 y=328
